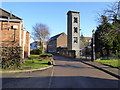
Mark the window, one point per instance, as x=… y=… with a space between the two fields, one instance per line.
x=75 y=30
x=75 y=19
x=75 y=40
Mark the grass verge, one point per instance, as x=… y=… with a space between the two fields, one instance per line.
x=112 y=63
x=35 y=64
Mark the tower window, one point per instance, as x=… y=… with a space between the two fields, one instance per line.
x=75 y=30
x=75 y=19
x=75 y=40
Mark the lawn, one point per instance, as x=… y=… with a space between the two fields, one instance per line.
x=113 y=63
x=36 y=64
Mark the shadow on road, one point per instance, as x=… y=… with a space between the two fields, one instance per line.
x=59 y=82
x=63 y=58
x=73 y=66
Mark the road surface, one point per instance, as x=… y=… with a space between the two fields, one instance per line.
x=67 y=73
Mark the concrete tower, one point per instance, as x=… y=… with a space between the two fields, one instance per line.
x=73 y=31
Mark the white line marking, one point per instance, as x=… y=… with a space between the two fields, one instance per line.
x=51 y=78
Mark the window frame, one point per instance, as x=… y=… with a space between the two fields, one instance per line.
x=75 y=30
x=75 y=39
x=75 y=20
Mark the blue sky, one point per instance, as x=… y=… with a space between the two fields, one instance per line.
x=54 y=14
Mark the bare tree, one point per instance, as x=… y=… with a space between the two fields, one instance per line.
x=41 y=33
x=110 y=12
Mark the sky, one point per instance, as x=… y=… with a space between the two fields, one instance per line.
x=54 y=14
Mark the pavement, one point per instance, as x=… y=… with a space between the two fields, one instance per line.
x=67 y=73
x=110 y=70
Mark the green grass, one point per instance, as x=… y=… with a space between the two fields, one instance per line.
x=113 y=63
x=38 y=63
x=34 y=56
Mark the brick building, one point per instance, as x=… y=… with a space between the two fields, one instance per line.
x=88 y=39
x=56 y=41
x=13 y=33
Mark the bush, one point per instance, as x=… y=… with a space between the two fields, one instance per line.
x=36 y=51
x=11 y=57
x=40 y=50
x=46 y=55
x=97 y=55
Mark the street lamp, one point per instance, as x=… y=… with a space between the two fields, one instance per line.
x=93 y=56
x=118 y=10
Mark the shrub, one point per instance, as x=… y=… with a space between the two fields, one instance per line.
x=11 y=57
x=46 y=55
x=97 y=55
x=40 y=50
x=36 y=51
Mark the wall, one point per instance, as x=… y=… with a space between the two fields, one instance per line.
x=27 y=46
x=69 y=31
x=33 y=45
x=75 y=46
x=9 y=37
x=62 y=40
x=68 y=53
x=52 y=46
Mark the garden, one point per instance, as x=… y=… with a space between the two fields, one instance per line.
x=12 y=59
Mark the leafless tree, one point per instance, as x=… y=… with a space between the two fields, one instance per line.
x=41 y=33
x=110 y=12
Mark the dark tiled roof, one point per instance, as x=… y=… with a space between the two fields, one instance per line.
x=55 y=37
x=6 y=13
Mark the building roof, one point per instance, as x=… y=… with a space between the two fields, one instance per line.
x=56 y=36
x=5 y=15
x=72 y=12
x=88 y=38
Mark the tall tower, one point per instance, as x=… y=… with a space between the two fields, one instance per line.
x=73 y=31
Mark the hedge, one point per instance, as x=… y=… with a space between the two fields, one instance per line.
x=11 y=57
x=36 y=51
x=46 y=55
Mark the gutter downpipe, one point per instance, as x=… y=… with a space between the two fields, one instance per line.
x=24 y=40
x=20 y=34
x=29 y=46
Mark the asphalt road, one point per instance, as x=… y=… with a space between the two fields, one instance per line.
x=37 y=79
x=67 y=73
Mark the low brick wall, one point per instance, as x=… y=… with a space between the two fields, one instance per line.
x=68 y=53
x=11 y=57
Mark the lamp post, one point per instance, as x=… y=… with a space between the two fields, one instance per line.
x=118 y=10
x=93 y=56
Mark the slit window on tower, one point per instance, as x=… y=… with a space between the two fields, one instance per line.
x=75 y=20
x=75 y=40
x=75 y=30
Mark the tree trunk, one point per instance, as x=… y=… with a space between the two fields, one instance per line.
x=42 y=48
